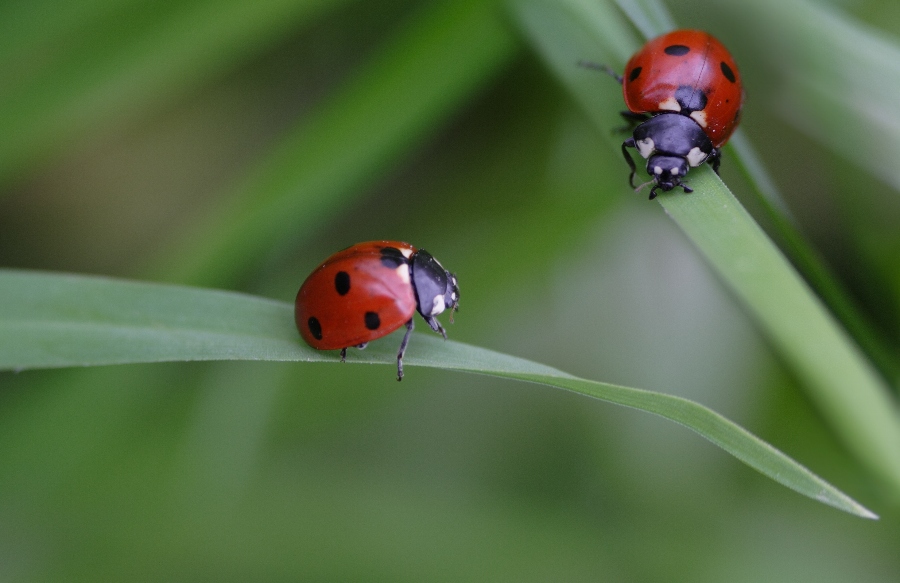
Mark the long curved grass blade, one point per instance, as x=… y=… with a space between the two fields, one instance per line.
x=807 y=261
x=844 y=384
x=53 y=320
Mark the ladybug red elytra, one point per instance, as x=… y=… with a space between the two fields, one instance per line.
x=369 y=290
x=685 y=90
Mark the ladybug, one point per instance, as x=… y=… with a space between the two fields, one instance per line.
x=369 y=290
x=685 y=90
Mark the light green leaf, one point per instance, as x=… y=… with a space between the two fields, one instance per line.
x=52 y=320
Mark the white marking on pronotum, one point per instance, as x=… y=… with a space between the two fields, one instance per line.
x=645 y=147
x=406 y=253
x=699 y=117
x=438 y=305
x=670 y=104
x=696 y=156
x=657 y=170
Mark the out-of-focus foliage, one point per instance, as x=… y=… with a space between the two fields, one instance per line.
x=131 y=127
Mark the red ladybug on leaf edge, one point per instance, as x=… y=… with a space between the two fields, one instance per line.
x=369 y=290
x=684 y=90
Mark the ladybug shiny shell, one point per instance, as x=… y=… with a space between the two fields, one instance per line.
x=686 y=90
x=369 y=290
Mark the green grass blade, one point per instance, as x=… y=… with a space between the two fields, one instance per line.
x=843 y=383
x=837 y=375
x=53 y=320
x=425 y=73
x=594 y=30
x=808 y=262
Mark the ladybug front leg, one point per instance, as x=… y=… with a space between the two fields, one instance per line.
x=409 y=329
x=715 y=158
x=629 y=143
x=634 y=119
x=436 y=326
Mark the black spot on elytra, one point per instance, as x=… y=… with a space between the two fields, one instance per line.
x=342 y=282
x=677 y=50
x=373 y=322
x=315 y=328
x=690 y=99
x=635 y=73
x=726 y=70
x=392 y=257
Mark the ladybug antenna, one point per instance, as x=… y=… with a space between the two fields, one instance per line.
x=454 y=296
x=640 y=187
x=600 y=67
x=454 y=310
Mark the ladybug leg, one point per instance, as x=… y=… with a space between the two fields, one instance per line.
x=409 y=329
x=629 y=143
x=653 y=192
x=686 y=188
x=601 y=68
x=344 y=350
x=436 y=326
x=636 y=118
x=632 y=120
x=715 y=158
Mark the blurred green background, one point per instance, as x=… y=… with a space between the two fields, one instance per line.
x=235 y=145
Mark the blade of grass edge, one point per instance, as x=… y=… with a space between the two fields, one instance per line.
x=808 y=262
x=52 y=320
x=844 y=384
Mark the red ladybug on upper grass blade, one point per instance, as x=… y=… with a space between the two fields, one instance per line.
x=369 y=290
x=685 y=89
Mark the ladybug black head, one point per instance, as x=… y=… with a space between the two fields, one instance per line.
x=667 y=171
